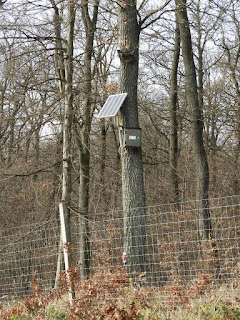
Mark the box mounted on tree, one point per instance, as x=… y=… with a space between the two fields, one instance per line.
x=131 y=136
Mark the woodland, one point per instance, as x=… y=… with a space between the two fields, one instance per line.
x=61 y=59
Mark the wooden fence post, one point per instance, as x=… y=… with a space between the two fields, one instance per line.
x=59 y=261
x=65 y=232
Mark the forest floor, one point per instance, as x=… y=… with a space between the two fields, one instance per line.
x=114 y=297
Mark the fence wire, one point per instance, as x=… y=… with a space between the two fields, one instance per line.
x=27 y=252
x=174 y=253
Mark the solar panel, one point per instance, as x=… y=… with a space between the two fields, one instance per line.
x=112 y=105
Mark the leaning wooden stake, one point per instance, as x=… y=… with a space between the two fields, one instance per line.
x=66 y=241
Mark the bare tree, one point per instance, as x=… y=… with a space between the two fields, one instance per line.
x=196 y=118
x=134 y=201
x=83 y=134
x=133 y=191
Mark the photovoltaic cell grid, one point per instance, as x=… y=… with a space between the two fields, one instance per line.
x=112 y=105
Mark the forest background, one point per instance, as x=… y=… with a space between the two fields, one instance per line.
x=56 y=55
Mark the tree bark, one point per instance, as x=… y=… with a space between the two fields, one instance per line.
x=132 y=169
x=202 y=172
x=68 y=108
x=84 y=138
x=200 y=49
x=103 y=156
x=67 y=121
x=59 y=50
x=232 y=64
x=173 y=159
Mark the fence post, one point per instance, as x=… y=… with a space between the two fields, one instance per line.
x=65 y=232
x=59 y=261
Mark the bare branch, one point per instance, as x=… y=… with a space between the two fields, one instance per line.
x=151 y=13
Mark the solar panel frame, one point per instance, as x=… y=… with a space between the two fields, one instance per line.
x=112 y=105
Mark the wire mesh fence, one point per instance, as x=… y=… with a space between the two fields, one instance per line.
x=174 y=251
x=26 y=252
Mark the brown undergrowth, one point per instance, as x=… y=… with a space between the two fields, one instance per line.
x=112 y=295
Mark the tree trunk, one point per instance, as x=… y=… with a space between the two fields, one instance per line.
x=68 y=109
x=173 y=160
x=202 y=172
x=103 y=155
x=11 y=141
x=232 y=64
x=132 y=169
x=59 y=51
x=84 y=231
x=200 y=48
x=67 y=121
x=84 y=139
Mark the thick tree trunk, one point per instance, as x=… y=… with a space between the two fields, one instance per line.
x=173 y=159
x=202 y=172
x=132 y=168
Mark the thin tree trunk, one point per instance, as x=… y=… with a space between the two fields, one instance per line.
x=11 y=141
x=200 y=57
x=84 y=139
x=60 y=70
x=67 y=123
x=173 y=160
x=202 y=172
x=59 y=51
x=68 y=109
x=3 y=87
x=114 y=196
x=103 y=156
